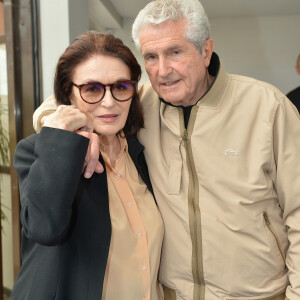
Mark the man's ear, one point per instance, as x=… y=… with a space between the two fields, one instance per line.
x=207 y=51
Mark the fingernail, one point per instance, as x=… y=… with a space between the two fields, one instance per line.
x=87 y=175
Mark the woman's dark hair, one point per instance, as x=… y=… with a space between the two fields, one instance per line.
x=84 y=47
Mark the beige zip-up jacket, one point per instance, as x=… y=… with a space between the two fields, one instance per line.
x=228 y=188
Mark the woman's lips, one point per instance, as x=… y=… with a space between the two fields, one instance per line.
x=108 y=118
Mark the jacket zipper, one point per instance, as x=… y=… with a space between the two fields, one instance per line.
x=270 y=227
x=194 y=209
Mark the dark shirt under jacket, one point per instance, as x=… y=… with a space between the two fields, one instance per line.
x=66 y=226
x=294 y=96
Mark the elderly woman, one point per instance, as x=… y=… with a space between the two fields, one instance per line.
x=97 y=238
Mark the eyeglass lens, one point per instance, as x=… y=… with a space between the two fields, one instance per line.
x=120 y=90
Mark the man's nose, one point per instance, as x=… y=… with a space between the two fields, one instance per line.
x=164 y=68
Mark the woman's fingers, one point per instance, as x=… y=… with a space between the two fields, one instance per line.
x=91 y=163
x=68 y=117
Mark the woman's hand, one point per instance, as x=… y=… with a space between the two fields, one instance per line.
x=70 y=118
x=91 y=162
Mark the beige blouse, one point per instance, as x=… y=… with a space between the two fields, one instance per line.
x=137 y=234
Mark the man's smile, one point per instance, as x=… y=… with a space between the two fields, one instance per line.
x=169 y=83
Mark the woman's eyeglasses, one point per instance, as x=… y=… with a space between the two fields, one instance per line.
x=94 y=92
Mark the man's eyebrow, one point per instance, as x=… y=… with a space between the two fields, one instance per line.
x=146 y=53
x=173 y=47
x=167 y=50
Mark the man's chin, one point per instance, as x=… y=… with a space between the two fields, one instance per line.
x=171 y=98
x=173 y=101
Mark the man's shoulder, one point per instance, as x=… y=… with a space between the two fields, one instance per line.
x=149 y=99
x=256 y=85
x=146 y=91
x=257 y=92
x=253 y=82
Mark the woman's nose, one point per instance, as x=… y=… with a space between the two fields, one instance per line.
x=108 y=100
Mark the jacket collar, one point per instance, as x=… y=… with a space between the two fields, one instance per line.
x=134 y=147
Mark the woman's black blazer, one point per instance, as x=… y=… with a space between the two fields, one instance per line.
x=66 y=226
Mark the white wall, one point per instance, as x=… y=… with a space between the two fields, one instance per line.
x=125 y=35
x=265 y=48
x=61 y=21
x=54 y=16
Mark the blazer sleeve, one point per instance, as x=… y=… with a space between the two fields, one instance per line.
x=49 y=166
x=286 y=144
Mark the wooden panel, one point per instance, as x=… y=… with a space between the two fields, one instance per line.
x=23 y=87
x=1 y=265
x=4 y=170
x=14 y=134
x=2 y=41
x=2 y=31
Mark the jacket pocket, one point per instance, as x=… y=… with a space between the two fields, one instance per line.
x=272 y=231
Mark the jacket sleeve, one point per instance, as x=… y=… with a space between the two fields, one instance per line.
x=286 y=143
x=48 y=107
x=49 y=167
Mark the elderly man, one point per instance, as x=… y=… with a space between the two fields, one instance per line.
x=223 y=156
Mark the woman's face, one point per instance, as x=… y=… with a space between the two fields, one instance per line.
x=109 y=115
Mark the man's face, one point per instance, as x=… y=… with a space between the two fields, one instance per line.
x=176 y=69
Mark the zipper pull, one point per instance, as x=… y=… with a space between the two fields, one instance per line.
x=266 y=217
x=185 y=135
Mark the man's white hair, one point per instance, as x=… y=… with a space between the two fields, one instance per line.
x=159 y=11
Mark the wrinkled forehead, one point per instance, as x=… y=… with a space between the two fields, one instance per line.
x=164 y=30
x=168 y=23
